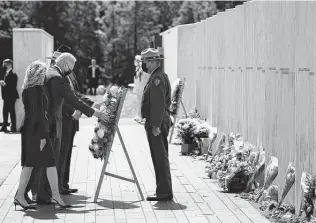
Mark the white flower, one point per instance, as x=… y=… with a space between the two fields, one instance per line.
x=100 y=133
x=95 y=147
x=95 y=138
x=102 y=108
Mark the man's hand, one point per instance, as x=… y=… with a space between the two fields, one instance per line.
x=43 y=142
x=156 y=131
x=2 y=83
x=76 y=115
x=97 y=105
x=100 y=115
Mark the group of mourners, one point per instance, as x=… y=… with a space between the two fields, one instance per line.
x=52 y=108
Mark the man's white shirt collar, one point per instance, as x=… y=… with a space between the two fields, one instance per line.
x=8 y=70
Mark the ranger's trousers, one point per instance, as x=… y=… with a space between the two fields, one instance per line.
x=160 y=157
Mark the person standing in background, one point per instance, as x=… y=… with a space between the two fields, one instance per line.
x=9 y=96
x=140 y=80
x=93 y=76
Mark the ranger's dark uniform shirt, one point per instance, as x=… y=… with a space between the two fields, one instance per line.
x=156 y=99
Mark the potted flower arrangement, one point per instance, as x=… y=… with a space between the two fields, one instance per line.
x=186 y=133
x=202 y=133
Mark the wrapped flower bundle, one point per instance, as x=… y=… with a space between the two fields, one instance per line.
x=176 y=93
x=271 y=173
x=308 y=184
x=289 y=182
x=104 y=131
x=257 y=160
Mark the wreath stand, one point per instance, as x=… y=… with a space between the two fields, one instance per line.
x=106 y=159
x=176 y=115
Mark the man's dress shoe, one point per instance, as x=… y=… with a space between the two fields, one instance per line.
x=65 y=191
x=155 y=198
x=73 y=190
x=68 y=191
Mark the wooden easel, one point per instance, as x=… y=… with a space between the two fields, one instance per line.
x=176 y=115
x=106 y=159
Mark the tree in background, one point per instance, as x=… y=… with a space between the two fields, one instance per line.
x=112 y=32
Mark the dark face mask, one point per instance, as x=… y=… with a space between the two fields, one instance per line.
x=66 y=73
x=144 y=68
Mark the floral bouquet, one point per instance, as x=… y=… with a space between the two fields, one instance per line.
x=289 y=182
x=202 y=131
x=308 y=184
x=257 y=160
x=186 y=129
x=230 y=165
x=177 y=90
x=104 y=130
x=270 y=175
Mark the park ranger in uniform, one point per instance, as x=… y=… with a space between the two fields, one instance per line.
x=155 y=109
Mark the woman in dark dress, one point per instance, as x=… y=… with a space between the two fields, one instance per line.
x=37 y=150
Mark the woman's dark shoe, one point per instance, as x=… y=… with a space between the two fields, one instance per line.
x=28 y=200
x=60 y=205
x=17 y=202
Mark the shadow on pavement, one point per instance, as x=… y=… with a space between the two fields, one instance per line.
x=113 y=204
x=45 y=213
x=170 y=205
x=75 y=199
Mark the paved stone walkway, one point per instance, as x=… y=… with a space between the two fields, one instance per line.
x=197 y=199
x=10 y=150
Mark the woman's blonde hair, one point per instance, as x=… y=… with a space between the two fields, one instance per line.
x=34 y=74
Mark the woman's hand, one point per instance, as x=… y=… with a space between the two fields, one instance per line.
x=43 y=143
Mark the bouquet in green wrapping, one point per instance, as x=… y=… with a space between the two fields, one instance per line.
x=308 y=184
x=271 y=174
x=289 y=182
x=177 y=90
x=104 y=130
x=257 y=160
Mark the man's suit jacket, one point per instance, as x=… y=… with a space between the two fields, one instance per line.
x=9 y=91
x=97 y=72
x=67 y=109
x=60 y=90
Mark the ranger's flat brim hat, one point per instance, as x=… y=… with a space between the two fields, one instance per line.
x=151 y=54
x=55 y=55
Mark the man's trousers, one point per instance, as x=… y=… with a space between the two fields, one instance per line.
x=160 y=157
x=9 y=108
x=69 y=130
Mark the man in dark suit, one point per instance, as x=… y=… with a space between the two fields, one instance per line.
x=9 y=96
x=60 y=91
x=93 y=77
x=155 y=106
x=69 y=128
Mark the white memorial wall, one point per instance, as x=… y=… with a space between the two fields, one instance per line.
x=28 y=45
